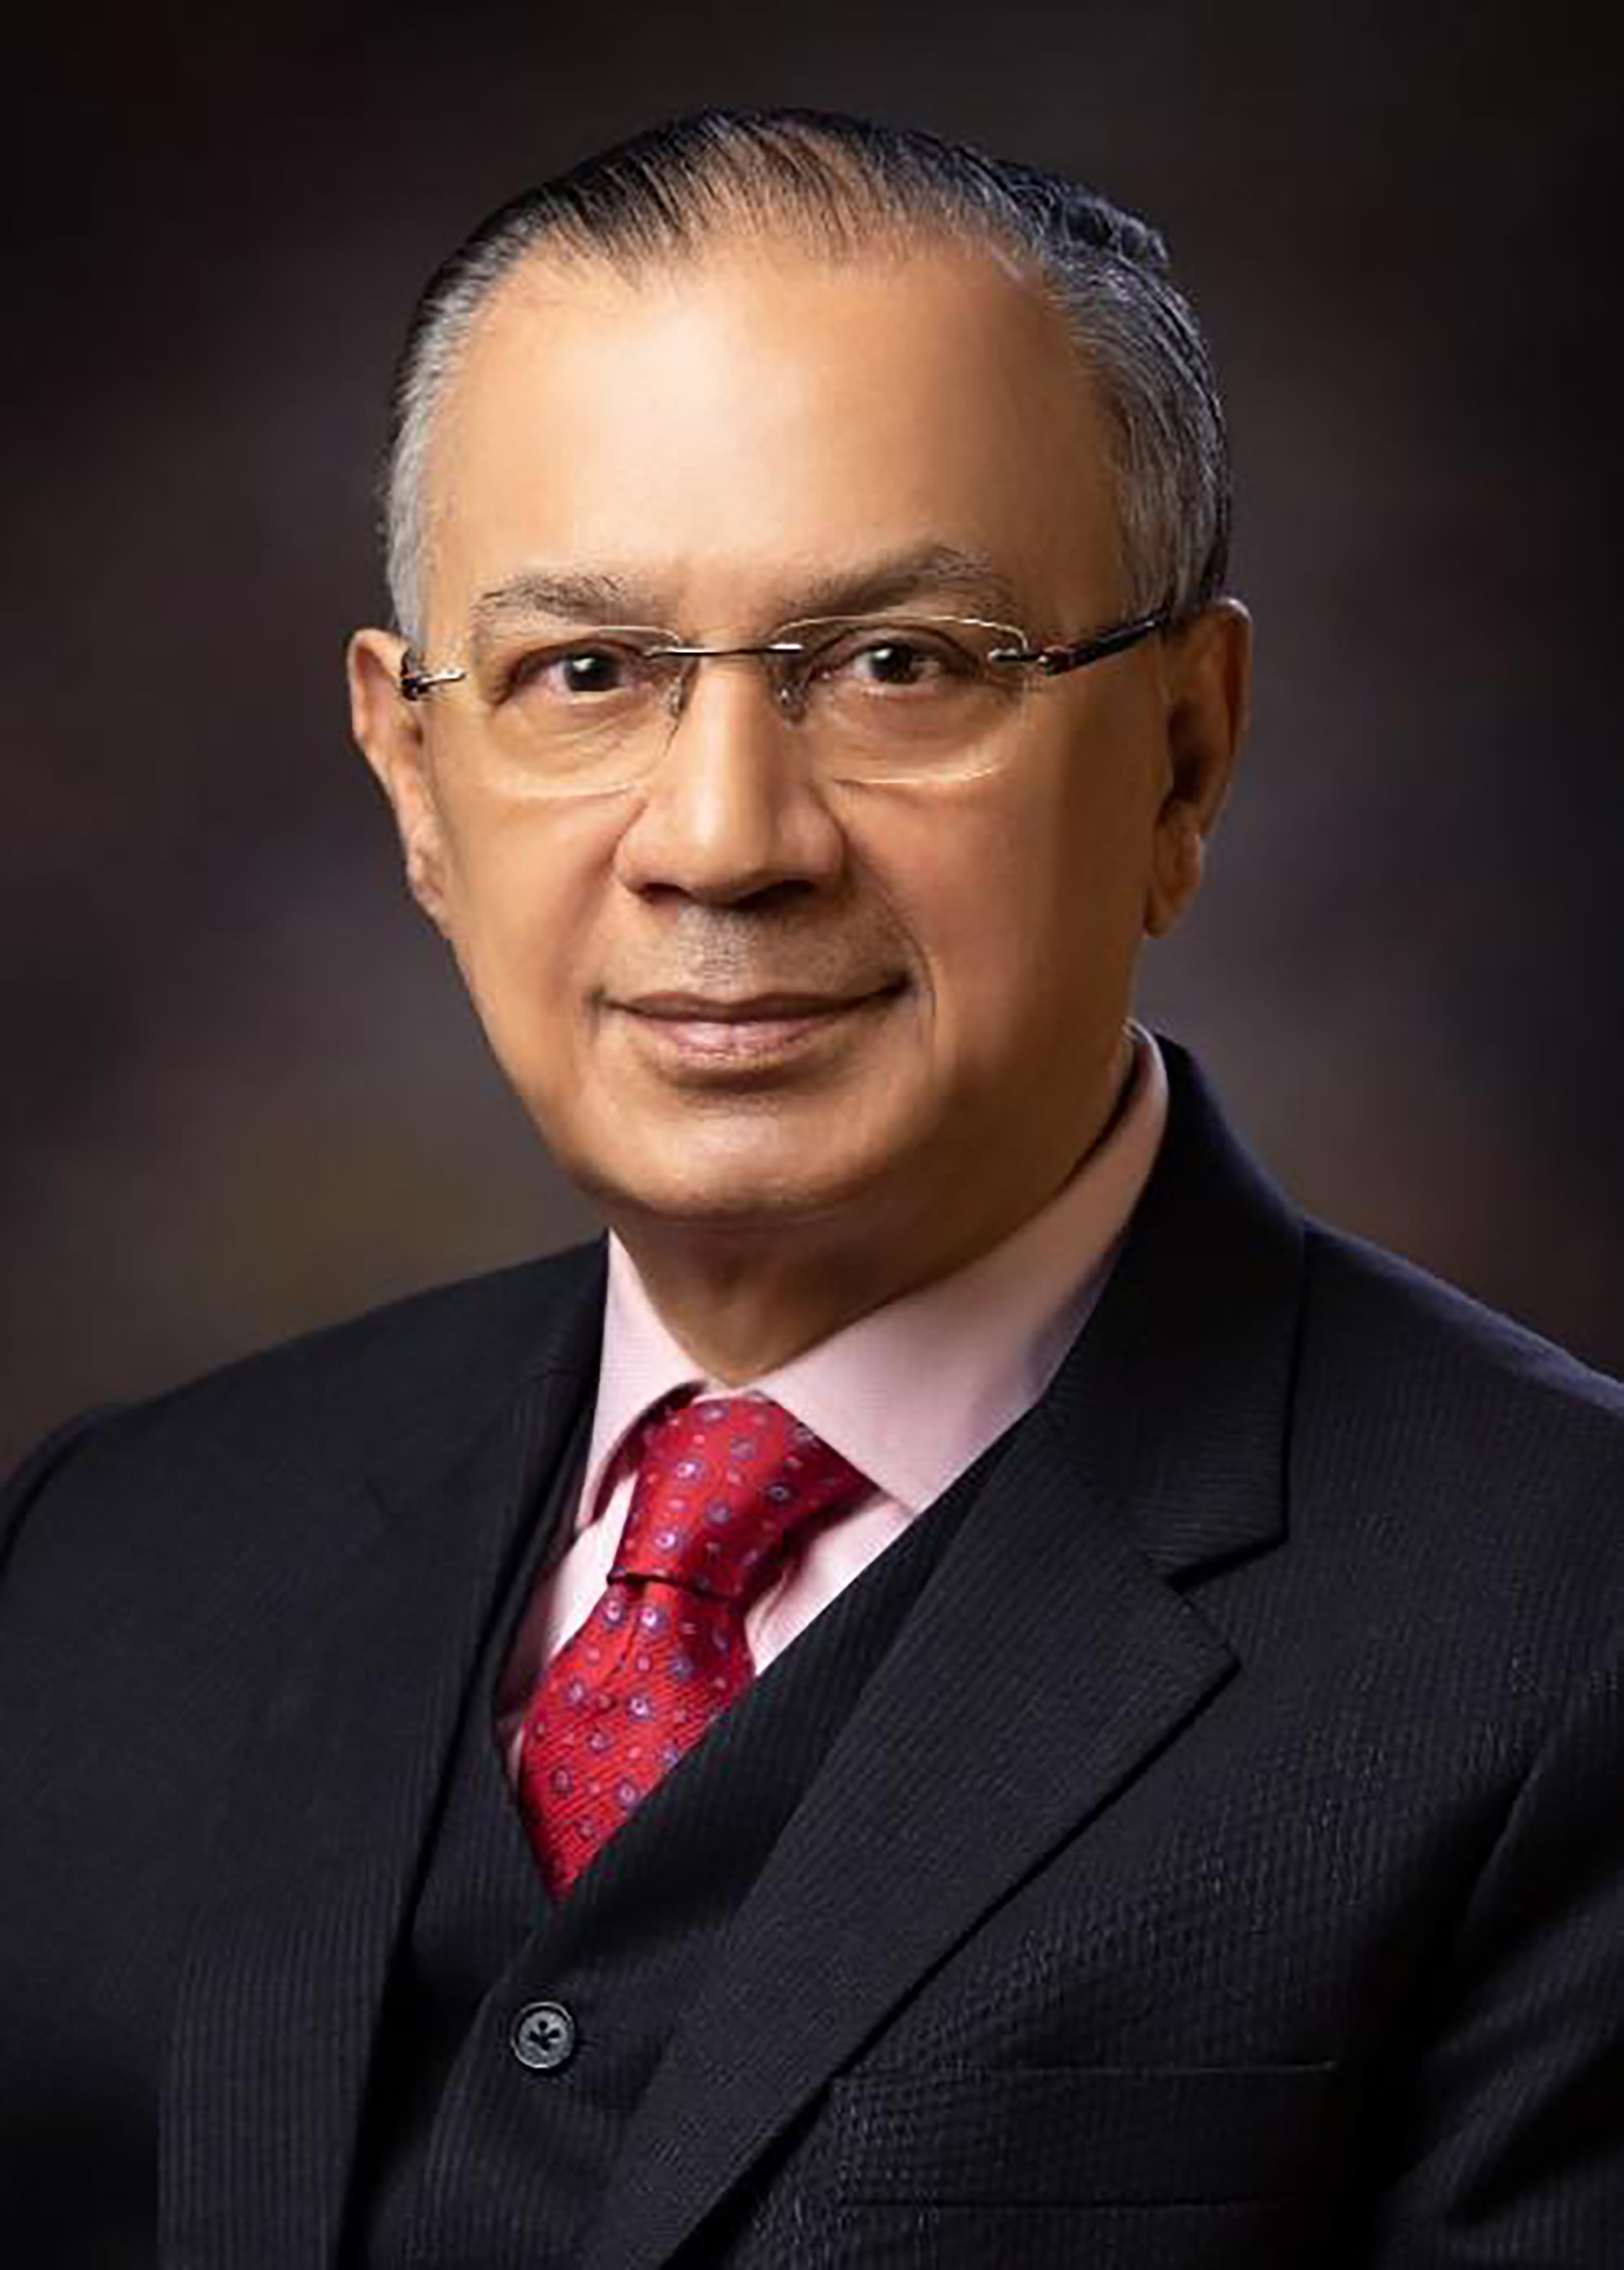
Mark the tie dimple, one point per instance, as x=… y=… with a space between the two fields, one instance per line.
x=721 y=1484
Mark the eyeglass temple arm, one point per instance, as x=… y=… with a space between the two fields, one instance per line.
x=1053 y=660
x=415 y=683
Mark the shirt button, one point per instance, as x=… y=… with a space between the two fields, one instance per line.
x=543 y=2036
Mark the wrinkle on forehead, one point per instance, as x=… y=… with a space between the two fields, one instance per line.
x=935 y=572
x=974 y=353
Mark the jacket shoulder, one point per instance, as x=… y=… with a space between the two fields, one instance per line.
x=336 y=1400
x=1457 y=1425
x=1393 y=1320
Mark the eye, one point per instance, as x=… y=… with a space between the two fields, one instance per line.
x=895 y=664
x=600 y=668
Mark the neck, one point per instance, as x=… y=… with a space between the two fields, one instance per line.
x=743 y=1299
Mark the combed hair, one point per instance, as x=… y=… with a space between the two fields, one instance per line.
x=842 y=185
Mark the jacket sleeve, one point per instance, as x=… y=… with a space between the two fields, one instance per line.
x=1503 y=2142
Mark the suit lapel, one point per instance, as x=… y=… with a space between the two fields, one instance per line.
x=1050 y=1657
x=323 y=1833
x=986 y=1736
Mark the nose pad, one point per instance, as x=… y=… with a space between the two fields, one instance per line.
x=787 y=693
x=677 y=691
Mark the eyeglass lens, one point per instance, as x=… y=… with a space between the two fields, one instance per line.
x=871 y=701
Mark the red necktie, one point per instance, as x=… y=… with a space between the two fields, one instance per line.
x=721 y=1485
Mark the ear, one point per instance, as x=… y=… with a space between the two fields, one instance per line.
x=1209 y=676
x=389 y=732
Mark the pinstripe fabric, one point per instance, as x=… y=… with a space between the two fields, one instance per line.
x=1295 y=1933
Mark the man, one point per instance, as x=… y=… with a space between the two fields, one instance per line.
x=971 y=1687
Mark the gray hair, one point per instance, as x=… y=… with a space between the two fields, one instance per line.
x=843 y=184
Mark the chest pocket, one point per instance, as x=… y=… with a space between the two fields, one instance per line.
x=1080 y=2135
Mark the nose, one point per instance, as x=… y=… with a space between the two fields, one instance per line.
x=733 y=808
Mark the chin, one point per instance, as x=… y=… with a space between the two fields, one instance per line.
x=736 y=1187
x=731 y=1203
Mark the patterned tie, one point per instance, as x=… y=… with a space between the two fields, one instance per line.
x=721 y=1485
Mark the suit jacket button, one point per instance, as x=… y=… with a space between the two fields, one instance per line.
x=543 y=2036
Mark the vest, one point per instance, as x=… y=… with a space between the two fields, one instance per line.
x=471 y=2159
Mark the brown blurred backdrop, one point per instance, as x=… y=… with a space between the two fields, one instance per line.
x=241 y=1093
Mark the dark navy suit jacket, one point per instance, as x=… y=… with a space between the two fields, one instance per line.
x=1223 y=1866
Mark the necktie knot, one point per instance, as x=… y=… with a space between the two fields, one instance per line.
x=722 y=1483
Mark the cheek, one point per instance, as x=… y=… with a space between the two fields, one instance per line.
x=521 y=896
x=1032 y=919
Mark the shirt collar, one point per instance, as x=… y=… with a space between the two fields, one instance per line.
x=913 y=1393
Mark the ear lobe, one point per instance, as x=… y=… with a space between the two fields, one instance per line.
x=425 y=879
x=1209 y=682
x=1178 y=862
x=389 y=734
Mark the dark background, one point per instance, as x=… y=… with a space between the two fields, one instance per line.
x=241 y=1093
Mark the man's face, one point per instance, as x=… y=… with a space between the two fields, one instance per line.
x=740 y=992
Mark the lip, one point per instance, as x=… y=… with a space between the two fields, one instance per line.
x=753 y=1033
x=749 y=1009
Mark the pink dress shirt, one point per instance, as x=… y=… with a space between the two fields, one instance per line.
x=911 y=1394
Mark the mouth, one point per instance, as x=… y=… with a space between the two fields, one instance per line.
x=746 y=1032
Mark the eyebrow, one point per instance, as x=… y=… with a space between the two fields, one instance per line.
x=588 y=594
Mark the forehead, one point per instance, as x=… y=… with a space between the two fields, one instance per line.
x=727 y=430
